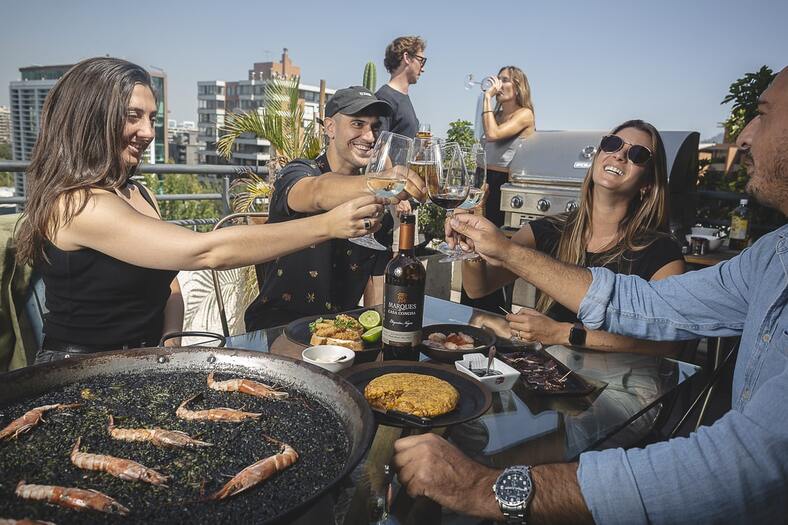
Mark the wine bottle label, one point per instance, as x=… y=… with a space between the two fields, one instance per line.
x=739 y=228
x=402 y=314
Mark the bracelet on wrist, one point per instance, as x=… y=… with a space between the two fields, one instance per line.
x=487 y=111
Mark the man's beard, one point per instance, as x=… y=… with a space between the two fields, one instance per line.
x=769 y=182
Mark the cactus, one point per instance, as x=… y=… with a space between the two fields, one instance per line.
x=370 y=76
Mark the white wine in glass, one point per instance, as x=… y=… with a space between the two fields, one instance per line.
x=386 y=175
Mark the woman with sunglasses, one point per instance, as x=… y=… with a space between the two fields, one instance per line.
x=621 y=223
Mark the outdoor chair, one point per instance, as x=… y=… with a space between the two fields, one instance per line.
x=215 y=274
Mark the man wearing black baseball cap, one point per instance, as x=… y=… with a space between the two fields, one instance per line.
x=332 y=276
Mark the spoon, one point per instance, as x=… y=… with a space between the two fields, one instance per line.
x=490 y=357
x=340 y=358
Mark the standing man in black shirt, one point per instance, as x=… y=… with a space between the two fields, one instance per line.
x=405 y=62
x=332 y=276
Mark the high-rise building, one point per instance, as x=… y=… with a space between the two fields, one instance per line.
x=217 y=98
x=27 y=102
x=5 y=125
x=184 y=145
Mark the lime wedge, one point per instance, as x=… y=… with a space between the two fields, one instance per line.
x=373 y=334
x=369 y=319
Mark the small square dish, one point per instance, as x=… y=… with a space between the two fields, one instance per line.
x=502 y=376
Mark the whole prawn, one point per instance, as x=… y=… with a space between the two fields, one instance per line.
x=245 y=386
x=125 y=469
x=258 y=472
x=158 y=436
x=229 y=415
x=72 y=498
x=30 y=419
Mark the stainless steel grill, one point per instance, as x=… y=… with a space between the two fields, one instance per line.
x=548 y=168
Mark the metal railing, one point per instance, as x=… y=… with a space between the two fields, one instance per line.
x=226 y=172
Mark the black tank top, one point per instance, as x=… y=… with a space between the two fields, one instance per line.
x=95 y=299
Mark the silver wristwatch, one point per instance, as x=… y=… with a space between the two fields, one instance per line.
x=514 y=490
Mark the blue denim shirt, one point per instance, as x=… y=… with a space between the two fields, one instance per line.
x=736 y=470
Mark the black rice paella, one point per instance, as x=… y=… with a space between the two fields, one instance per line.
x=42 y=455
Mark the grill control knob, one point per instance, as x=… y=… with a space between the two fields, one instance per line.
x=516 y=202
x=571 y=206
x=543 y=205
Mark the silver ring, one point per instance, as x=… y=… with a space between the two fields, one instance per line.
x=367 y=224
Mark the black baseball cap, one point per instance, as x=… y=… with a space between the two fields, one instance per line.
x=354 y=100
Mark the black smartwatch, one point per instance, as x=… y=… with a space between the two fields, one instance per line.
x=577 y=335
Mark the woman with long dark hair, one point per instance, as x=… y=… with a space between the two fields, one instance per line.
x=107 y=259
x=621 y=223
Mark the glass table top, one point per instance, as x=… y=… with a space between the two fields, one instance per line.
x=622 y=408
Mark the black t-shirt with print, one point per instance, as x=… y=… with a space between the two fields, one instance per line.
x=403 y=118
x=323 y=278
x=644 y=263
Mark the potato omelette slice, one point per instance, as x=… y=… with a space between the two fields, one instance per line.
x=417 y=394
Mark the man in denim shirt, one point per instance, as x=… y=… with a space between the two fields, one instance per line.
x=734 y=471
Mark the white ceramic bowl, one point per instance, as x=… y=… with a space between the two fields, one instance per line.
x=325 y=356
x=714 y=242
x=497 y=383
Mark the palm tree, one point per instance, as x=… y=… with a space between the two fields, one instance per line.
x=280 y=121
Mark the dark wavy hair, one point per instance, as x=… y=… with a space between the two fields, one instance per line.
x=79 y=147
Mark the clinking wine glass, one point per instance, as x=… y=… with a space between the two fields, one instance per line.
x=386 y=174
x=475 y=160
x=448 y=186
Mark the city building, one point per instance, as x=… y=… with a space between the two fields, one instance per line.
x=183 y=145
x=27 y=101
x=5 y=125
x=217 y=98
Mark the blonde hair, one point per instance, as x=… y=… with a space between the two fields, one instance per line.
x=646 y=219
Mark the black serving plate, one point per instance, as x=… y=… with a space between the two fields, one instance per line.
x=475 y=397
x=539 y=373
x=298 y=332
x=483 y=340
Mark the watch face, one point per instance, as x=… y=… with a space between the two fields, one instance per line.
x=513 y=488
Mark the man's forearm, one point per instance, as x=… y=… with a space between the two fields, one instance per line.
x=332 y=189
x=557 y=496
x=565 y=283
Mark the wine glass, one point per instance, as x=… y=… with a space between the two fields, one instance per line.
x=448 y=186
x=386 y=174
x=476 y=163
x=485 y=84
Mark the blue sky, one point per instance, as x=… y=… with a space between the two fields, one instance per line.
x=590 y=64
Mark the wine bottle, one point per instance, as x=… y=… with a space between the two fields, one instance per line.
x=403 y=297
x=740 y=227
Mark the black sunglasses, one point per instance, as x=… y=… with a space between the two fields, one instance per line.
x=422 y=60
x=636 y=153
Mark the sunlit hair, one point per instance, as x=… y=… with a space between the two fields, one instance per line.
x=646 y=219
x=522 y=89
x=396 y=49
x=79 y=147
